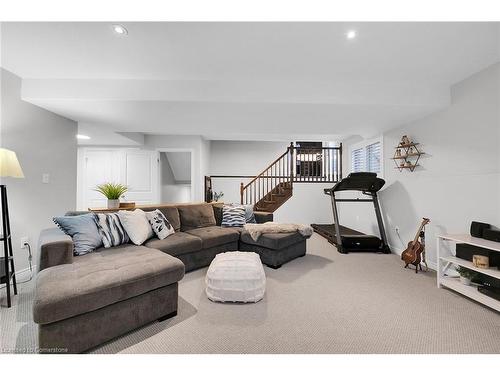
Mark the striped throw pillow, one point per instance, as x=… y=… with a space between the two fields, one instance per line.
x=111 y=230
x=233 y=216
x=249 y=215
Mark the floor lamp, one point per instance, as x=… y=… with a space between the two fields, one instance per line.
x=9 y=167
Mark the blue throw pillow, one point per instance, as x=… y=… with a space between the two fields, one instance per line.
x=83 y=230
x=249 y=215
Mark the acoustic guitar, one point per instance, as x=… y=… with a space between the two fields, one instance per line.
x=413 y=253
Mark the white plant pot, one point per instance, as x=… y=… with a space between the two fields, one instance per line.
x=113 y=203
x=464 y=280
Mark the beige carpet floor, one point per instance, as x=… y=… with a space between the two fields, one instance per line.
x=324 y=302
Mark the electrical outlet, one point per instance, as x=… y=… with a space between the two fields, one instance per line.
x=24 y=240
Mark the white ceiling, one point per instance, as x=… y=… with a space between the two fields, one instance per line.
x=246 y=80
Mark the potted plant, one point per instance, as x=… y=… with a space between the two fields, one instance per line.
x=218 y=196
x=113 y=192
x=466 y=275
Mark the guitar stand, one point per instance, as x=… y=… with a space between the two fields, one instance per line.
x=417 y=266
x=422 y=240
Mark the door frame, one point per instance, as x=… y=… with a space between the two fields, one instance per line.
x=175 y=149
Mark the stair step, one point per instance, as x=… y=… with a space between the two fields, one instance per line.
x=267 y=201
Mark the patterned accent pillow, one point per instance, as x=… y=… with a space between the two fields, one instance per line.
x=160 y=224
x=111 y=230
x=83 y=231
x=249 y=215
x=233 y=216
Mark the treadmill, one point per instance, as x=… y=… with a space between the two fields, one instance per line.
x=347 y=239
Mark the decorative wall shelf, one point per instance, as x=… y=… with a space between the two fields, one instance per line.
x=407 y=154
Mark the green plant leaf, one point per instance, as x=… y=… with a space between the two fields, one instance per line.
x=465 y=272
x=111 y=190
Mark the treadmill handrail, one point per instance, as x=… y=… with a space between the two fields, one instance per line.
x=359 y=181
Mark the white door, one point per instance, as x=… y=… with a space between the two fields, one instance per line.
x=140 y=171
x=137 y=169
x=100 y=166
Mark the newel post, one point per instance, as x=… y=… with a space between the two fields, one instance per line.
x=291 y=163
x=241 y=192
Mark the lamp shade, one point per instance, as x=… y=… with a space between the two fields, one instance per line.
x=9 y=165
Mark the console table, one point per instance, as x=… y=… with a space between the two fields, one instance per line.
x=446 y=259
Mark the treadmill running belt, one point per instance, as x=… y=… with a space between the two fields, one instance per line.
x=328 y=231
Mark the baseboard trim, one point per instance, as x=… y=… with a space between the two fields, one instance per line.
x=24 y=274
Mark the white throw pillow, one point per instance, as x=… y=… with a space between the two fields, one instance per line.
x=136 y=225
x=160 y=224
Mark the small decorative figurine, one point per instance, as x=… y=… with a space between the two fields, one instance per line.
x=405 y=140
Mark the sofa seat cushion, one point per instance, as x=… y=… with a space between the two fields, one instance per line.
x=274 y=241
x=100 y=279
x=215 y=236
x=176 y=244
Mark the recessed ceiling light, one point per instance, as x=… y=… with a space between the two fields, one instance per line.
x=119 y=29
x=81 y=136
x=351 y=34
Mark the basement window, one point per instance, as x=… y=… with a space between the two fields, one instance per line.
x=367 y=156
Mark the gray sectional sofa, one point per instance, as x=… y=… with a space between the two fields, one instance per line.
x=84 y=301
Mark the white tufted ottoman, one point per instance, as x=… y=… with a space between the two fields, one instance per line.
x=236 y=277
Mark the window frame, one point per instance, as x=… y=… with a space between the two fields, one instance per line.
x=363 y=145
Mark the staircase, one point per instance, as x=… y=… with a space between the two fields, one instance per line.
x=274 y=185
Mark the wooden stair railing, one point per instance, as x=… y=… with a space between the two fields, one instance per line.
x=270 y=183
x=274 y=185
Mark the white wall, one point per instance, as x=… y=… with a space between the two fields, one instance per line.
x=240 y=158
x=180 y=165
x=44 y=143
x=308 y=203
x=459 y=177
x=171 y=190
x=200 y=154
x=205 y=151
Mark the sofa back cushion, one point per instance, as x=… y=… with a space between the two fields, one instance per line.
x=196 y=216
x=218 y=214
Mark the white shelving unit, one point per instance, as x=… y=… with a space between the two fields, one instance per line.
x=446 y=259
